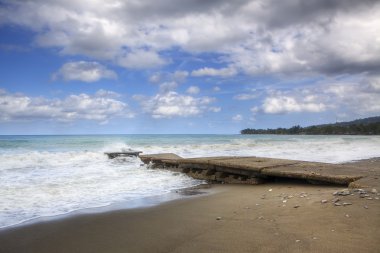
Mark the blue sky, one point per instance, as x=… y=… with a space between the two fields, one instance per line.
x=91 y=67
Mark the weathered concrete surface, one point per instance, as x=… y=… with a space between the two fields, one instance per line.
x=160 y=158
x=254 y=170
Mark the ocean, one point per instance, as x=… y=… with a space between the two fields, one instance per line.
x=49 y=176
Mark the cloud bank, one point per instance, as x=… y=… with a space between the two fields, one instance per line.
x=251 y=36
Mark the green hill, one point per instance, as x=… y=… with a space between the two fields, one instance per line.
x=367 y=126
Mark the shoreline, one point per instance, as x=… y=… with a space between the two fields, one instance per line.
x=139 y=203
x=285 y=216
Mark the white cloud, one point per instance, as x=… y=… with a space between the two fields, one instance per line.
x=356 y=98
x=141 y=59
x=245 y=96
x=180 y=76
x=193 y=90
x=216 y=88
x=223 y=72
x=84 y=71
x=99 y=107
x=215 y=109
x=168 y=86
x=172 y=104
x=286 y=104
x=155 y=78
x=237 y=117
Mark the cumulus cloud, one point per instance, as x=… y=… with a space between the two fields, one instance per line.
x=100 y=107
x=193 y=90
x=172 y=104
x=84 y=71
x=357 y=98
x=223 y=72
x=286 y=104
x=253 y=36
x=141 y=59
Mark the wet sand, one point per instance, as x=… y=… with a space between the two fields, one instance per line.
x=274 y=217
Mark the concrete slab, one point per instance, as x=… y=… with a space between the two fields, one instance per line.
x=167 y=157
x=252 y=168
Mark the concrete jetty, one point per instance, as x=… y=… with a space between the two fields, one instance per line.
x=113 y=155
x=255 y=170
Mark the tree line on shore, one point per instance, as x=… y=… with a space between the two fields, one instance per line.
x=367 y=126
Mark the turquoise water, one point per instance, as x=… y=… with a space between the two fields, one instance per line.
x=45 y=176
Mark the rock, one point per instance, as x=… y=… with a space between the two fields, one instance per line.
x=323 y=201
x=315 y=238
x=337 y=204
x=298 y=240
x=366 y=207
x=296 y=206
x=377 y=198
x=347 y=203
x=269 y=190
x=342 y=193
x=348 y=216
x=335 y=200
x=369 y=198
x=218 y=218
x=284 y=201
x=374 y=191
x=261 y=217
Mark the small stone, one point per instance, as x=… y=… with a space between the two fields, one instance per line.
x=257 y=204
x=218 y=218
x=347 y=203
x=315 y=238
x=269 y=190
x=344 y=192
x=337 y=204
x=377 y=198
x=247 y=207
x=335 y=200
x=370 y=198
x=348 y=216
x=374 y=191
x=261 y=217
x=298 y=240
x=296 y=206
x=323 y=201
x=332 y=230
x=366 y=207
x=284 y=201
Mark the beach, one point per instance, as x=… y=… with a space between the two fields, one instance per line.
x=284 y=216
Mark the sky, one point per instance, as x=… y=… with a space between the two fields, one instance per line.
x=194 y=66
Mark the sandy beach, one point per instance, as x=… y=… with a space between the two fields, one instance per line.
x=286 y=216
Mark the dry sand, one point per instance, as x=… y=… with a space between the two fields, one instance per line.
x=273 y=217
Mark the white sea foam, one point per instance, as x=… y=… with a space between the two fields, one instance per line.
x=48 y=176
x=39 y=184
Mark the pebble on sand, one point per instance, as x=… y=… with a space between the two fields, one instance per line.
x=323 y=201
x=218 y=218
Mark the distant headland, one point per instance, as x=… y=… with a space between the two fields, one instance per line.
x=367 y=126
